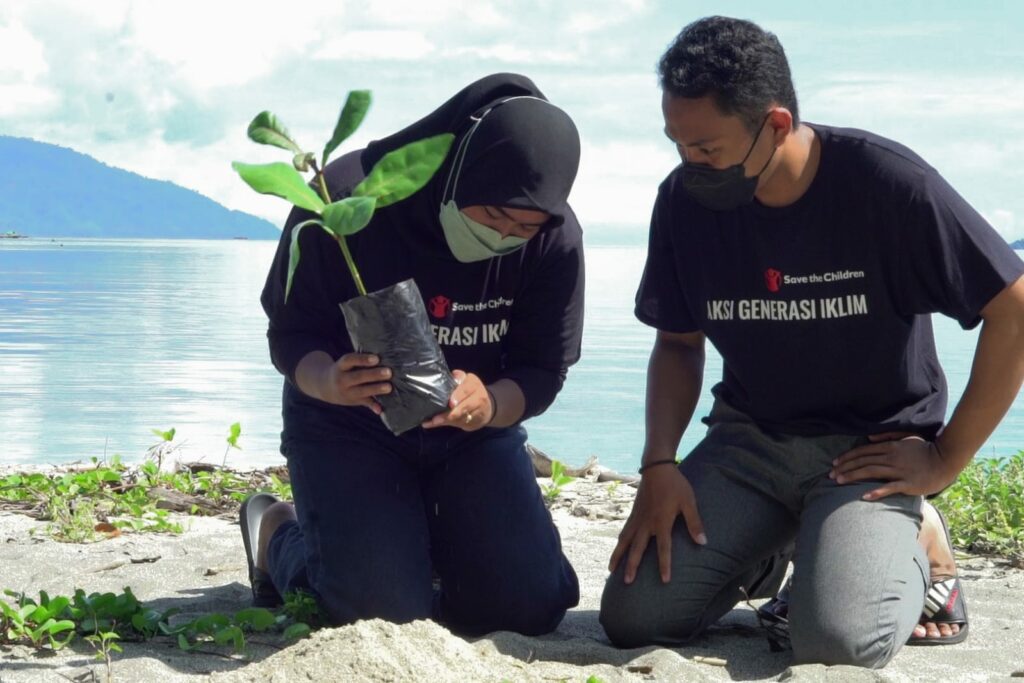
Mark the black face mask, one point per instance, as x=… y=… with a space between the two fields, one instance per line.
x=723 y=189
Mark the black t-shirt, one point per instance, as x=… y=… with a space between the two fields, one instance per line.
x=518 y=316
x=820 y=309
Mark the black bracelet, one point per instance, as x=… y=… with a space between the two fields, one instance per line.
x=494 y=406
x=666 y=461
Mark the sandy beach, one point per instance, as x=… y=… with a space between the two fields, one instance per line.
x=203 y=570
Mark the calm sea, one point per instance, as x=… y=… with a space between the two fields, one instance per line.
x=102 y=341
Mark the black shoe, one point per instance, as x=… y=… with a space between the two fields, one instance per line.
x=249 y=515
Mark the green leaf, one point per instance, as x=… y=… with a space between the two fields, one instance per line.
x=233 y=434
x=230 y=634
x=55 y=627
x=281 y=180
x=402 y=172
x=348 y=216
x=267 y=129
x=166 y=436
x=352 y=114
x=303 y=160
x=296 y=631
x=258 y=618
x=293 y=254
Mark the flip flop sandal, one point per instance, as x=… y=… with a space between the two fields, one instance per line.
x=776 y=610
x=944 y=604
x=249 y=515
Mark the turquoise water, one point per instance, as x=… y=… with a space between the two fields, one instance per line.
x=103 y=340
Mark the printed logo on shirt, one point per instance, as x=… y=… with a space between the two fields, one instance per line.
x=774 y=279
x=442 y=308
x=439 y=306
x=825 y=308
x=470 y=335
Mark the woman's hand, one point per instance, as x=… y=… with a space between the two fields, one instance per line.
x=470 y=405
x=354 y=380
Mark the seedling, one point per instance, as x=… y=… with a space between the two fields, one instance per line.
x=234 y=431
x=397 y=175
x=558 y=479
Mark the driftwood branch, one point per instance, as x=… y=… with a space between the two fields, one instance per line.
x=542 y=464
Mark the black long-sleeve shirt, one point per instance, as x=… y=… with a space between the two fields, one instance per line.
x=518 y=316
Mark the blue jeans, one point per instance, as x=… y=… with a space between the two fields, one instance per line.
x=378 y=517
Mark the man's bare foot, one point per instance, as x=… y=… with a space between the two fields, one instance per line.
x=274 y=516
x=942 y=565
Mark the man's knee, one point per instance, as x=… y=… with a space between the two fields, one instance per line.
x=636 y=615
x=834 y=639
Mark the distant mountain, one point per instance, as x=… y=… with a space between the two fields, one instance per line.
x=1019 y=244
x=51 y=191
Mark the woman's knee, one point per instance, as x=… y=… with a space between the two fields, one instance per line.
x=346 y=603
x=528 y=606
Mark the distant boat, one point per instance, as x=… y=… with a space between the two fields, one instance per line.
x=239 y=238
x=11 y=234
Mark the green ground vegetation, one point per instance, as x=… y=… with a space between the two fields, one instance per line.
x=89 y=502
x=559 y=479
x=985 y=507
x=102 y=619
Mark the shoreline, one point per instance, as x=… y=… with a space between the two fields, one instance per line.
x=203 y=570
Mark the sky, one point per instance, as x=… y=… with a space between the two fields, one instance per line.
x=167 y=89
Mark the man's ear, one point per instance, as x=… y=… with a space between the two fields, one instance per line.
x=781 y=121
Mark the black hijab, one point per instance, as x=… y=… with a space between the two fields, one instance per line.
x=517 y=149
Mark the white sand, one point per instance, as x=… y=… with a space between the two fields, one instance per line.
x=203 y=570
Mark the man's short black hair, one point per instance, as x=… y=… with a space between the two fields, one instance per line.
x=739 y=64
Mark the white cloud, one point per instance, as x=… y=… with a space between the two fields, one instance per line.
x=602 y=15
x=931 y=96
x=214 y=44
x=510 y=53
x=374 y=45
x=455 y=16
x=23 y=68
x=618 y=181
x=25 y=99
x=21 y=55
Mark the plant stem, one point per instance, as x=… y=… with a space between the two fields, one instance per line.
x=351 y=266
x=326 y=196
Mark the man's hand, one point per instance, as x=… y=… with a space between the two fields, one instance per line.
x=353 y=380
x=908 y=464
x=664 y=494
x=470 y=406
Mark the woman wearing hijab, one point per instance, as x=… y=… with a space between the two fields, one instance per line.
x=497 y=254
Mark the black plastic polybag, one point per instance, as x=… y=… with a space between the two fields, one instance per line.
x=392 y=323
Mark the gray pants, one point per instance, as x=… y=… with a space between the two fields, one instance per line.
x=860 y=575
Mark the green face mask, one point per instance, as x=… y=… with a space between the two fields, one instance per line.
x=471 y=241
x=467 y=239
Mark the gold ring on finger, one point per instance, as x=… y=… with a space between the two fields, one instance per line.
x=469 y=418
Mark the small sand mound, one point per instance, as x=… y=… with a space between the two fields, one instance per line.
x=376 y=650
